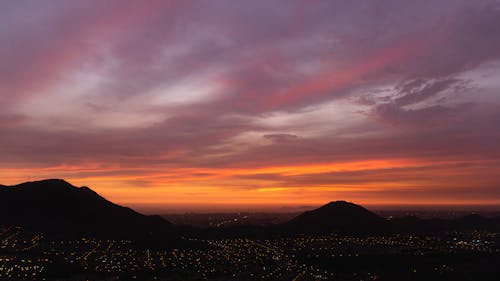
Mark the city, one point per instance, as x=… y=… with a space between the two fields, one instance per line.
x=29 y=256
x=236 y=140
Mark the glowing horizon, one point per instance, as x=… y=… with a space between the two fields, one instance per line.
x=220 y=104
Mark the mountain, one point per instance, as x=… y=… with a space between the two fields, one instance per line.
x=415 y=225
x=339 y=216
x=348 y=218
x=61 y=209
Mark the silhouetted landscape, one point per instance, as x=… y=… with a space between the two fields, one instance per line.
x=250 y=140
x=52 y=230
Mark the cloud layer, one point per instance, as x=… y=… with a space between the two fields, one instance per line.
x=254 y=102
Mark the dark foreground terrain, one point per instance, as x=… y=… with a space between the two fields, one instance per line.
x=457 y=256
x=51 y=230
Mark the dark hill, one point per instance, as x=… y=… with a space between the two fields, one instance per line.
x=339 y=216
x=415 y=225
x=477 y=222
x=61 y=209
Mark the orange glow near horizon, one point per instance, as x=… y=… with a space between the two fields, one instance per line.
x=240 y=188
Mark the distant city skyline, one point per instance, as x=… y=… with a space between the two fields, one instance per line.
x=217 y=105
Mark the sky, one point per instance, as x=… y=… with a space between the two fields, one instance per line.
x=163 y=105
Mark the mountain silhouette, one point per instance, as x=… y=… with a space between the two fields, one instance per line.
x=338 y=216
x=476 y=222
x=415 y=225
x=58 y=208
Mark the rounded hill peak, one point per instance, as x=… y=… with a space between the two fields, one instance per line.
x=340 y=203
x=341 y=216
x=47 y=184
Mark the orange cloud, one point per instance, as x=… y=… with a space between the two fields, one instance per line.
x=231 y=186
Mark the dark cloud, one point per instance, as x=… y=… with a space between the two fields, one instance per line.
x=281 y=137
x=430 y=116
x=417 y=90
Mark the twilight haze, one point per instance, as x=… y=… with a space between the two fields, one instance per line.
x=158 y=104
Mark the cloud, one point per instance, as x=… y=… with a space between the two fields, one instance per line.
x=193 y=91
x=430 y=116
x=11 y=119
x=466 y=40
x=417 y=90
x=281 y=137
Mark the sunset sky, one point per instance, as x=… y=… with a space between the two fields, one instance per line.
x=249 y=104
